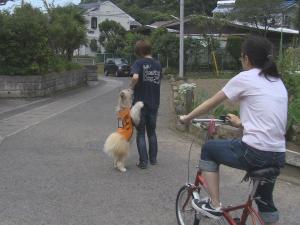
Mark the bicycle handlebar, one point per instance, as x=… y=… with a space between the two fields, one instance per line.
x=208 y=120
x=221 y=120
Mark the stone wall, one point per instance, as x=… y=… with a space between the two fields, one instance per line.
x=41 y=85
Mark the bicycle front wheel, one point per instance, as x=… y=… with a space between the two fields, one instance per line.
x=187 y=215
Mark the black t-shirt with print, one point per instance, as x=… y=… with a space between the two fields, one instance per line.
x=147 y=89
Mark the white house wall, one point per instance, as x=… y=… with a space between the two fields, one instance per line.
x=106 y=11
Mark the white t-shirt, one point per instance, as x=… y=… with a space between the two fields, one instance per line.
x=263 y=109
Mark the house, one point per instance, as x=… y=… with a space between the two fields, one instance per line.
x=98 y=12
x=237 y=27
x=224 y=7
x=192 y=30
x=3 y=2
x=285 y=18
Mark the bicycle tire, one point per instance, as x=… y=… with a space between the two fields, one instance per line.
x=192 y=217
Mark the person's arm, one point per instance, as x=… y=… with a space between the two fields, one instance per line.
x=204 y=107
x=134 y=80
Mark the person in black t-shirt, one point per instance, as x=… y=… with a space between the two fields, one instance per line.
x=146 y=76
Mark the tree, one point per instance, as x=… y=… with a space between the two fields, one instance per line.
x=204 y=7
x=112 y=36
x=208 y=26
x=166 y=45
x=234 y=46
x=94 y=45
x=67 y=29
x=298 y=20
x=24 y=41
x=258 y=13
x=130 y=39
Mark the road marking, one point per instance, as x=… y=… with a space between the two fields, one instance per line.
x=20 y=122
x=25 y=105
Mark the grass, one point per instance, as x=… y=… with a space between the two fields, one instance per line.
x=211 y=75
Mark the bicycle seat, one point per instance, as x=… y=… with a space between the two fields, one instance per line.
x=266 y=174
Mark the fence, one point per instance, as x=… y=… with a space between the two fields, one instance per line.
x=84 y=60
x=195 y=61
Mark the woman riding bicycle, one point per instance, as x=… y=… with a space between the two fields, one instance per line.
x=263 y=117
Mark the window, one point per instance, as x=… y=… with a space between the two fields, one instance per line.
x=94 y=23
x=286 y=20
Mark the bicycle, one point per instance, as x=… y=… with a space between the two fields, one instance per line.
x=187 y=215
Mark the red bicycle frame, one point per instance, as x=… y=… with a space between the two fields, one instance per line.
x=247 y=207
x=200 y=182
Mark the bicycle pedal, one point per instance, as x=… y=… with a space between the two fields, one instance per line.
x=196 y=195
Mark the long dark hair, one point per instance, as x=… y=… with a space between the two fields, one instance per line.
x=260 y=54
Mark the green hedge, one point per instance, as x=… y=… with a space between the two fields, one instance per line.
x=25 y=44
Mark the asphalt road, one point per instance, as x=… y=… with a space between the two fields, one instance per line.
x=53 y=170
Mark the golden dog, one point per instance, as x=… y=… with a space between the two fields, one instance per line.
x=117 y=144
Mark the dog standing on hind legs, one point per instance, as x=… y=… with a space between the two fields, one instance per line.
x=117 y=144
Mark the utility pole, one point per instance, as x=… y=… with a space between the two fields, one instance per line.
x=181 y=38
x=281 y=39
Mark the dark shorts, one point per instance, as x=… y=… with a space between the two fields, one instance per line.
x=237 y=154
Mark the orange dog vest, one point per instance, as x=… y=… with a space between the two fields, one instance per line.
x=125 y=126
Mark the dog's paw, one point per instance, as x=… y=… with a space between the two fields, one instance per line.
x=122 y=169
x=139 y=104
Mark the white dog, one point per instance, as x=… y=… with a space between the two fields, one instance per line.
x=117 y=144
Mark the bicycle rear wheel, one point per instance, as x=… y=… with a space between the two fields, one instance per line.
x=187 y=215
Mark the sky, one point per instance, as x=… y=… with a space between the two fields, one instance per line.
x=36 y=3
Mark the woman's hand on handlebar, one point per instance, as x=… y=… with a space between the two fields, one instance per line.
x=234 y=120
x=184 y=119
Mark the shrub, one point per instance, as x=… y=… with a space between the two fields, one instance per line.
x=94 y=45
x=289 y=66
x=233 y=46
x=23 y=42
x=26 y=47
x=60 y=64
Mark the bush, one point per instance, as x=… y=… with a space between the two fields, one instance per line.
x=60 y=64
x=234 y=45
x=23 y=42
x=94 y=45
x=289 y=66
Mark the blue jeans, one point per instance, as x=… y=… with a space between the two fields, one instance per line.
x=147 y=123
x=237 y=154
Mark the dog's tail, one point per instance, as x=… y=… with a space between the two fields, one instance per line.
x=135 y=113
x=116 y=145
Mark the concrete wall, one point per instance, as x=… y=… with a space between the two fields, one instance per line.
x=37 y=86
